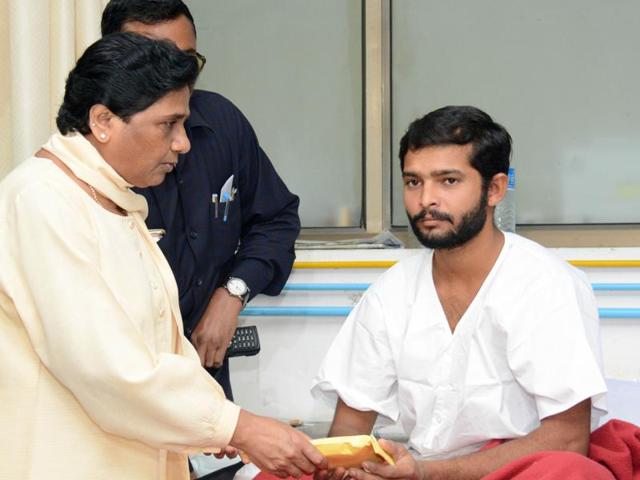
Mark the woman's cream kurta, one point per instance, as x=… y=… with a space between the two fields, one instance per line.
x=96 y=379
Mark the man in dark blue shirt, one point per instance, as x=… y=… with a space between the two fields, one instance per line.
x=225 y=243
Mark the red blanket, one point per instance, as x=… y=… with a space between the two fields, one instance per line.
x=614 y=454
x=616 y=445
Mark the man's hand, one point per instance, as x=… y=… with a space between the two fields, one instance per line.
x=346 y=421
x=336 y=474
x=564 y=431
x=275 y=447
x=406 y=467
x=216 y=328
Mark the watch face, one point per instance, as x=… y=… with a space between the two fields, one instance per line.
x=237 y=286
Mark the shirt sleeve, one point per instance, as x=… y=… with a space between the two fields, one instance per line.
x=359 y=366
x=84 y=337
x=548 y=346
x=270 y=221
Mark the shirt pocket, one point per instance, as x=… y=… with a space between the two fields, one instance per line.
x=226 y=228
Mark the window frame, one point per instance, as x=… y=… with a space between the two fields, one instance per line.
x=379 y=159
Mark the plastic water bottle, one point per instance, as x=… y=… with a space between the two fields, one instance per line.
x=505 y=212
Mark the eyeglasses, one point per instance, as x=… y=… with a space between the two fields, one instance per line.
x=201 y=59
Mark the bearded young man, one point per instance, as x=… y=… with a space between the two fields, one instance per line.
x=486 y=335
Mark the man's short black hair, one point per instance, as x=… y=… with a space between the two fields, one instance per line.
x=149 y=12
x=125 y=72
x=465 y=125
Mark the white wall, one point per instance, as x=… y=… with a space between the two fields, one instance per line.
x=276 y=382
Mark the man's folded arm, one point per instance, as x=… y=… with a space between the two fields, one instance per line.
x=565 y=431
x=349 y=421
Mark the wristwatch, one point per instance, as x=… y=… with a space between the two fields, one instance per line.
x=237 y=288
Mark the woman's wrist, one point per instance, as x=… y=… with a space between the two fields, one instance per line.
x=242 y=430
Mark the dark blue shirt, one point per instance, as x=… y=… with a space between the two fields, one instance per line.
x=255 y=243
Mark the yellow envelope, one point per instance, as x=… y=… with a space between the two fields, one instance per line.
x=351 y=451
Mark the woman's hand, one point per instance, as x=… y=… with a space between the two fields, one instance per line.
x=228 y=451
x=406 y=467
x=275 y=447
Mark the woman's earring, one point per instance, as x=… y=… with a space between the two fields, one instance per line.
x=103 y=135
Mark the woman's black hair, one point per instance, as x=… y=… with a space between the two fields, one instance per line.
x=125 y=72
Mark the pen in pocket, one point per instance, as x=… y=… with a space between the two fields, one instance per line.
x=214 y=200
x=226 y=200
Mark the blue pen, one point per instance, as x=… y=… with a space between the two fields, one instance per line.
x=225 y=199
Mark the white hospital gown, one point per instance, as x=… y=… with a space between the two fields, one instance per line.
x=526 y=348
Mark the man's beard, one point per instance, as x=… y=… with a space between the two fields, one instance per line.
x=470 y=226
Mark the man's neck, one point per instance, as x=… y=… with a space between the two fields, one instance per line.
x=472 y=261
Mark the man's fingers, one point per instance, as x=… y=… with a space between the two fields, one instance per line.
x=321 y=475
x=396 y=450
x=338 y=474
x=358 y=474
x=383 y=470
x=218 y=357
x=324 y=474
x=210 y=357
x=388 y=445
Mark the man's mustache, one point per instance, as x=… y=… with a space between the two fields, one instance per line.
x=433 y=214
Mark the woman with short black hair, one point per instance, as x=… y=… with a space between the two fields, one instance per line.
x=99 y=381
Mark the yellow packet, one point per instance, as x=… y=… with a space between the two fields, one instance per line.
x=352 y=450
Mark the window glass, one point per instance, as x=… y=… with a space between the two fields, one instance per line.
x=562 y=77
x=295 y=70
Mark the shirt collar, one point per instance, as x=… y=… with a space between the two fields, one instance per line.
x=195 y=118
